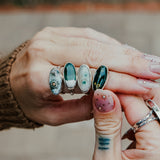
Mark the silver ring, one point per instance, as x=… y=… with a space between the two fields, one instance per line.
x=151 y=116
x=100 y=78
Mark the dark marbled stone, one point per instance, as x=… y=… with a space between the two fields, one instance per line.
x=100 y=78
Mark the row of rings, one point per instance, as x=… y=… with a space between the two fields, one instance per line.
x=83 y=78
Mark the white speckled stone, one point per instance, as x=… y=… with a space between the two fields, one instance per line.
x=55 y=78
x=84 y=78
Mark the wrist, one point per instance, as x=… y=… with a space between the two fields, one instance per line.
x=11 y=114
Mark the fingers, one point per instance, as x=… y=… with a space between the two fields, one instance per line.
x=108 y=118
x=87 y=33
x=57 y=113
x=135 y=109
x=123 y=83
x=93 y=53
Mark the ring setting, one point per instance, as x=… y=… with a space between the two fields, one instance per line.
x=154 y=114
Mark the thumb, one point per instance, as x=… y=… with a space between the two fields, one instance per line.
x=108 y=119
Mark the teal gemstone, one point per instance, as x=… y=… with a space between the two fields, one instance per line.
x=70 y=76
x=100 y=77
x=55 y=81
x=84 y=78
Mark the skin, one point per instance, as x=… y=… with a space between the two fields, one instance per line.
x=145 y=144
x=57 y=46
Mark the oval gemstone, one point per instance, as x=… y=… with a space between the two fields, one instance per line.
x=100 y=77
x=70 y=76
x=55 y=81
x=84 y=78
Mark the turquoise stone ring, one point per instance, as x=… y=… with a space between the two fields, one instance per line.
x=70 y=76
x=100 y=78
x=55 y=81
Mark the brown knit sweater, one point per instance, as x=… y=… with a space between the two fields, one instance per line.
x=11 y=114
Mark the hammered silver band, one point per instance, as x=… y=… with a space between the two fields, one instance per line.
x=154 y=114
x=149 y=118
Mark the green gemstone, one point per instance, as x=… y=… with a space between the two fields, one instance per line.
x=100 y=78
x=84 y=82
x=70 y=75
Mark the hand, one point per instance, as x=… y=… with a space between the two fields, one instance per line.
x=108 y=121
x=57 y=46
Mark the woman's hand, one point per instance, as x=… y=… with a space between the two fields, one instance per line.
x=57 y=46
x=108 y=121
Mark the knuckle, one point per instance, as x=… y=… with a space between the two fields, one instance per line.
x=108 y=126
x=94 y=54
x=35 y=48
x=134 y=60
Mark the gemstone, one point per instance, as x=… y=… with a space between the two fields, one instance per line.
x=100 y=77
x=55 y=81
x=84 y=78
x=70 y=76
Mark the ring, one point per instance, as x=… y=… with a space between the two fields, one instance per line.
x=100 y=78
x=154 y=114
x=55 y=81
x=69 y=79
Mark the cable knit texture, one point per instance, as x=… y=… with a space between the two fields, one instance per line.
x=11 y=115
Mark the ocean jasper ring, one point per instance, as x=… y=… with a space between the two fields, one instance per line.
x=55 y=81
x=100 y=78
x=84 y=78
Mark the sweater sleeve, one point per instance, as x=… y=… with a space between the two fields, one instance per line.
x=11 y=114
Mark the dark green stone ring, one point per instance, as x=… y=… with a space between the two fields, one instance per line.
x=100 y=78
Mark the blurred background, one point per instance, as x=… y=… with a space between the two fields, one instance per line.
x=135 y=22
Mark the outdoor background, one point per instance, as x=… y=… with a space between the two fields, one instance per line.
x=134 y=22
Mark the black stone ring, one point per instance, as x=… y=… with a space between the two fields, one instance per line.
x=100 y=78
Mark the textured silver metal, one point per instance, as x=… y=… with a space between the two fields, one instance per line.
x=154 y=114
x=149 y=118
x=152 y=105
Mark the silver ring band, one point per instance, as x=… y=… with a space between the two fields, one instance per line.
x=154 y=114
x=149 y=118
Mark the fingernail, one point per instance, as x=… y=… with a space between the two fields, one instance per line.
x=148 y=83
x=104 y=102
x=155 y=68
x=152 y=58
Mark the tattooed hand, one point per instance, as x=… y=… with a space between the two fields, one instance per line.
x=108 y=120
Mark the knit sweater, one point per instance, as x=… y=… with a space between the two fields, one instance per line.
x=11 y=114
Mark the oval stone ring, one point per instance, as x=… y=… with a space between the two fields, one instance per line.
x=68 y=79
x=100 y=78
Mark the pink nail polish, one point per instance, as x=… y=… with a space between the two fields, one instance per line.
x=152 y=58
x=104 y=102
x=155 y=68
